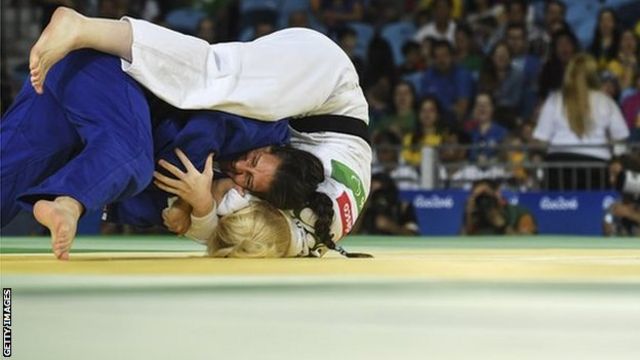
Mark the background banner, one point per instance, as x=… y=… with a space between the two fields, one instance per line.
x=570 y=213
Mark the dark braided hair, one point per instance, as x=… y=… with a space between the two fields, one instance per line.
x=322 y=207
x=294 y=187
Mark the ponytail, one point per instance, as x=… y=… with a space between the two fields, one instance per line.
x=580 y=77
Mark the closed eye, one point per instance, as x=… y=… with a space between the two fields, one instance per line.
x=249 y=182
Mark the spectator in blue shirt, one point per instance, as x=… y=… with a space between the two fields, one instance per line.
x=505 y=83
x=486 y=134
x=526 y=63
x=447 y=81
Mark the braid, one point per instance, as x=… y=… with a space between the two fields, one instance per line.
x=322 y=207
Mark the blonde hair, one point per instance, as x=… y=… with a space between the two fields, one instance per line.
x=257 y=231
x=580 y=77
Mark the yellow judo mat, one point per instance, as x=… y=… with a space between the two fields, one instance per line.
x=419 y=298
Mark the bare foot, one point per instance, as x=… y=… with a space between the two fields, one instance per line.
x=61 y=217
x=58 y=39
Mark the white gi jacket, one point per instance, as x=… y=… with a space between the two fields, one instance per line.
x=290 y=73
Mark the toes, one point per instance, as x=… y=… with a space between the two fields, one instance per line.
x=64 y=256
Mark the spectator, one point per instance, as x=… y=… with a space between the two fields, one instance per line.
x=426 y=51
x=514 y=156
x=606 y=38
x=113 y=9
x=516 y=12
x=348 y=39
x=428 y=131
x=467 y=54
x=335 y=14
x=631 y=106
x=526 y=63
x=380 y=65
x=625 y=65
x=554 y=19
x=579 y=115
x=403 y=118
x=449 y=82
x=505 y=84
x=387 y=145
x=452 y=154
x=483 y=18
x=263 y=26
x=487 y=213
x=623 y=218
x=486 y=134
x=452 y=149
x=522 y=60
x=413 y=60
x=385 y=213
x=378 y=98
x=609 y=85
x=206 y=30
x=299 y=19
x=442 y=27
x=564 y=45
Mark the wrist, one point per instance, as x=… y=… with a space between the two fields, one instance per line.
x=203 y=208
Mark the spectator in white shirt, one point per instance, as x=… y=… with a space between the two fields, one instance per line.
x=578 y=123
x=442 y=27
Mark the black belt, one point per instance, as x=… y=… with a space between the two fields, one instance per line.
x=333 y=123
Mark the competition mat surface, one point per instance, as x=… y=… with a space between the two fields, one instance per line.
x=419 y=298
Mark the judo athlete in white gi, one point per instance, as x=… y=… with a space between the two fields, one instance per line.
x=295 y=73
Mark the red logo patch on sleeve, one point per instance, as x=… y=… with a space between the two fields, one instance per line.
x=346 y=212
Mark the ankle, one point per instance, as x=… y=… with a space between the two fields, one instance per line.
x=70 y=204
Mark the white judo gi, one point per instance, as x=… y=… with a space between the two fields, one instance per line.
x=290 y=73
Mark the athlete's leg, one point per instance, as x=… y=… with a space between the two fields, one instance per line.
x=111 y=116
x=35 y=141
x=288 y=73
x=68 y=31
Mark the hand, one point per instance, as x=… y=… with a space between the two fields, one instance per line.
x=615 y=168
x=194 y=187
x=177 y=219
x=621 y=210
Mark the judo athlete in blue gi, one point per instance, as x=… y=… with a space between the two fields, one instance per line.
x=89 y=141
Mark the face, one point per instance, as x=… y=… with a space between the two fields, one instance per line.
x=387 y=154
x=254 y=170
x=428 y=113
x=442 y=59
x=263 y=29
x=441 y=11
x=501 y=57
x=628 y=43
x=607 y=23
x=516 y=41
x=298 y=19
x=348 y=43
x=483 y=109
x=207 y=31
x=565 y=49
x=517 y=13
x=425 y=50
x=403 y=97
x=554 y=14
x=462 y=40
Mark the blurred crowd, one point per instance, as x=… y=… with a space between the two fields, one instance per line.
x=460 y=76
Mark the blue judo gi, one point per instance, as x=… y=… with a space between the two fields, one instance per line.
x=90 y=136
